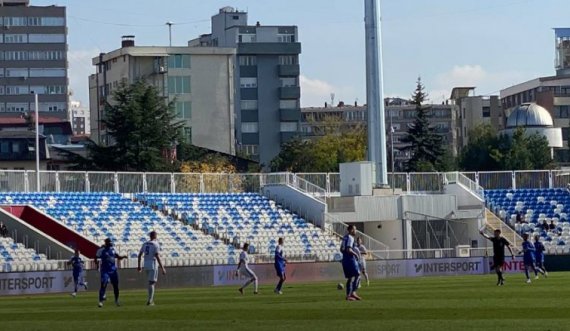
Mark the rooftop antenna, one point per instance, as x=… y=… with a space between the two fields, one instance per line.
x=170 y=24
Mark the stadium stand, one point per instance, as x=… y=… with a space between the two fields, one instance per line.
x=248 y=217
x=535 y=206
x=16 y=258
x=193 y=229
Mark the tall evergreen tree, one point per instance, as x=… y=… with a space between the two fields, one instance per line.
x=142 y=128
x=423 y=143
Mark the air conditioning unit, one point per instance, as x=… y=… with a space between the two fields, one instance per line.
x=463 y=250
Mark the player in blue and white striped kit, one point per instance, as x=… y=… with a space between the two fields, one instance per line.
x=77 y=263
x=280 y=263
x=528 y=253
x=350 y=264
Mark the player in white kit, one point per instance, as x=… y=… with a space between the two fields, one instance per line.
x=150 y=250
x=244 y=269
x=363 y=252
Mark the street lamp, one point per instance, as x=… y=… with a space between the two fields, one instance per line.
x=37 y=120
x=170 y=24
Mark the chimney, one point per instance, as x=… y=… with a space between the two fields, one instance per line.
x=326 y=104
x=258 y=24
x=356 y=103
x=341 y=104
x=128 y=41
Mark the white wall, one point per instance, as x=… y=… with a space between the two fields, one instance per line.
x=389 y=233
x=300 y=203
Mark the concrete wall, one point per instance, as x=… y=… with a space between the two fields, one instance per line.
x=297 y=201
x=464 y=197
x=34 y=238
x=388 y=232
x=268 y=107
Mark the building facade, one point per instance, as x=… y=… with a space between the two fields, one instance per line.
x=400 y=115
x=33 y=59
x=268 y=94
x=80 y=121
x=551 y=92
x=474 y=110
x=200 y=80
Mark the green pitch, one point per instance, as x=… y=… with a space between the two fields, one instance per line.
x=442 y=303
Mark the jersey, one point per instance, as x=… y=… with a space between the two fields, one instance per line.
x=150 y=249
x=539 y=251
x=244 y=258
x=279 y=258
x=77 y=264
x=528 y=251
x=499 y=247
x=107 y=257
x=347 y=242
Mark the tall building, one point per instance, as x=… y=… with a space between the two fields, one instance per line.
x=400 y=115
x=474 y=110
x=199 y=79
x=33 y=59
x=267 y=101
x=80 y=121
x=551 y=92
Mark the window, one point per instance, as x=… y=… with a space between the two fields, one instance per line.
x=288 y=59
x=56 y=72
x=249 y=127
x=52 y=107
x=249 y=60
x=288 y=82
x=47 y=38
x=15 y=38
x=561 y=112
x=16 y=55
x=17 y=72
x=250 y=150
x=46 y=55
x=288 y=104
x=179 y=84
x=188 y=135
x=248 y=82
x=288 y=127
x=15 y=21
x=486 y=112
x=235 y=17
x=395 y=113
x=4 y=147
x=247 y=38
x=17 y=107
x=184 y=109
x=248 y=104
x=286 y=38
x=16 y=147
x=46 y=21
x=17 y=90
x=179 y=61
x=565 y=133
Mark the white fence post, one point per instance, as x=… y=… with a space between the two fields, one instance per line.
x=328 y=186
x=87 y=183
x=550 y=183
x=408 y=182
x=172 y=183
x=26 y=182
x=202 y=188
x=145 y=187
x=57 y=183
x=514 y=178
x=116 y=179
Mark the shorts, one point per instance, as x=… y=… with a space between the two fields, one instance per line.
x=529 y=263
x=77 y=276
x=350 y=268
x=247 y=272
x=110 y=276
x=498 y=261
x=152 y=275
x=280 y=270
x=362 y=265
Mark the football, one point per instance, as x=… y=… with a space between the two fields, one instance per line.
x=339 y=286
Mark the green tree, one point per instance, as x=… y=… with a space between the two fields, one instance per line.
x=422 y=141
x=295 y=156
x=482 y=152
x=142 y=128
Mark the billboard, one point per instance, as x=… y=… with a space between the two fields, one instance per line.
x=35 y=282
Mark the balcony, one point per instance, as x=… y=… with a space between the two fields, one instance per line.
x=290 y=92
x=289 y=115
x=292 y=70
x=269 y=48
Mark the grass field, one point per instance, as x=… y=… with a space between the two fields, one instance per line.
x=441 y=303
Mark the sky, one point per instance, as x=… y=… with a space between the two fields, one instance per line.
x=489 y=44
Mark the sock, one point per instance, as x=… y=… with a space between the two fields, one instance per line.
x=247 y=284
x=102 y=292
x=355 y=283
x=116 y=291
x=279 y=285
x=75 y=288
x=150 y=293
x=255 y=283
x=526 y=272
x=348 y=287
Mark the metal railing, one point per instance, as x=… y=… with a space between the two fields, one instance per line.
x=327 y=184
x=338 y=228
x=472 y=186
x=431 y=253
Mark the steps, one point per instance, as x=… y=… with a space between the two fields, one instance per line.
x=493 y=223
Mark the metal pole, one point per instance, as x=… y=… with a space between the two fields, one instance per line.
x=38 y=189
x=170 y=32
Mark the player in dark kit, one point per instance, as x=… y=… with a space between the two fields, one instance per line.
x=499 y=244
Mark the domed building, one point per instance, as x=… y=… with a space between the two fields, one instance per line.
x=534 y=119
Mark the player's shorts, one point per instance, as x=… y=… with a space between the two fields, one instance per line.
x=498 y=261
x=77 y=275
x=110 y=276
x=247 y=272
x=280 y=270
x=362 y=265
x=152 y=275
x=528 y=262
x=350 y=268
